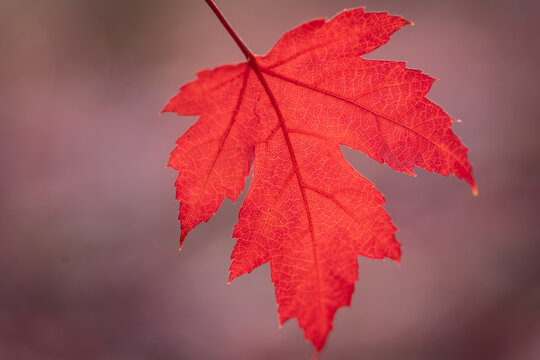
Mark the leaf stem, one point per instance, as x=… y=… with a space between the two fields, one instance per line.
x=247 y=53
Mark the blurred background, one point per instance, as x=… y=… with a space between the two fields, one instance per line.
x=89 y=261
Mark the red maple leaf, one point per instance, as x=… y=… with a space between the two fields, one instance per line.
x=308 y=212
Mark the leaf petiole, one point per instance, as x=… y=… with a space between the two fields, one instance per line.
x=247 y=53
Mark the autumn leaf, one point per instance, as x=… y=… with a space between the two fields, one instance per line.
x=308 y=213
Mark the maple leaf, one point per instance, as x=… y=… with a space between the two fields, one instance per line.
x=308 y=212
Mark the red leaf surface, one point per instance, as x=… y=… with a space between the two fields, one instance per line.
x=308 y=212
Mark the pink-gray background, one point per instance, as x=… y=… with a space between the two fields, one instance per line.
x=89 y=266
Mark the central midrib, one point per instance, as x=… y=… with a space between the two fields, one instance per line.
x=253 y=64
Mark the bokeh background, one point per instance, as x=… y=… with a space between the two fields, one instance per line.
x=89 y=261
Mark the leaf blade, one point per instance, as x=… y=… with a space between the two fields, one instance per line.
x=308 y=213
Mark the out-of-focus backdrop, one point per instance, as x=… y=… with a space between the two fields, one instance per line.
x=89 y=261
